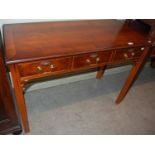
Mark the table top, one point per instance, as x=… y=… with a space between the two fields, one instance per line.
x=35 y=41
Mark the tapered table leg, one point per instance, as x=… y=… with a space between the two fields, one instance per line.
x=133 y=74
x=100 y=72
x=20 y=98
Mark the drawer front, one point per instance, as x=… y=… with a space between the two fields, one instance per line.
x=45 y=66
x=127 y=54
x=91 y=60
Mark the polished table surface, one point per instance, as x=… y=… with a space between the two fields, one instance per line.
x=36 y=50
x=26 y=42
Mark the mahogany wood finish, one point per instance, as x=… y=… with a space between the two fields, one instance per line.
x=37 y=50
x=128 y=54
x=8 y=118
x=18 y=87
x=54 y=66
x=91 y=60
x=37 y=41
x=100 y=72
x=133 y=74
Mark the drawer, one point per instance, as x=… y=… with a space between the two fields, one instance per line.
x=52 y=66
x=128 y=54
x=91 y=60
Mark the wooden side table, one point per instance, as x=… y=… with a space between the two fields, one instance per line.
x=52 y=49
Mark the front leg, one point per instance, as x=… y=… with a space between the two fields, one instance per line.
x=100 y=72
x=19 y=97
x=133 y=74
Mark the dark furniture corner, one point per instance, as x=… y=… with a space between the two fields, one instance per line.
x=49 y=49
x=149 y=25
x=9 y=123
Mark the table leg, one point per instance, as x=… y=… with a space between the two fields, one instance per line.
x=100 y=72
x=133 y=74
x=19 y=98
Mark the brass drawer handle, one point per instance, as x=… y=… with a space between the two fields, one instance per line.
x=130 y=43
x=52 y=66
x=97 y=59
x=133 y=54
x=39 y=68
x=88 y=61
x=125 y=55
x=142 y=48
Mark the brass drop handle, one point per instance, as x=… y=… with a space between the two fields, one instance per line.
x=142 y=49
x=130 y=43
x=52 y=66
x=39 y=68
x=133 y=54
x=125 y=55
x=88 y=61
x=97 y=59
